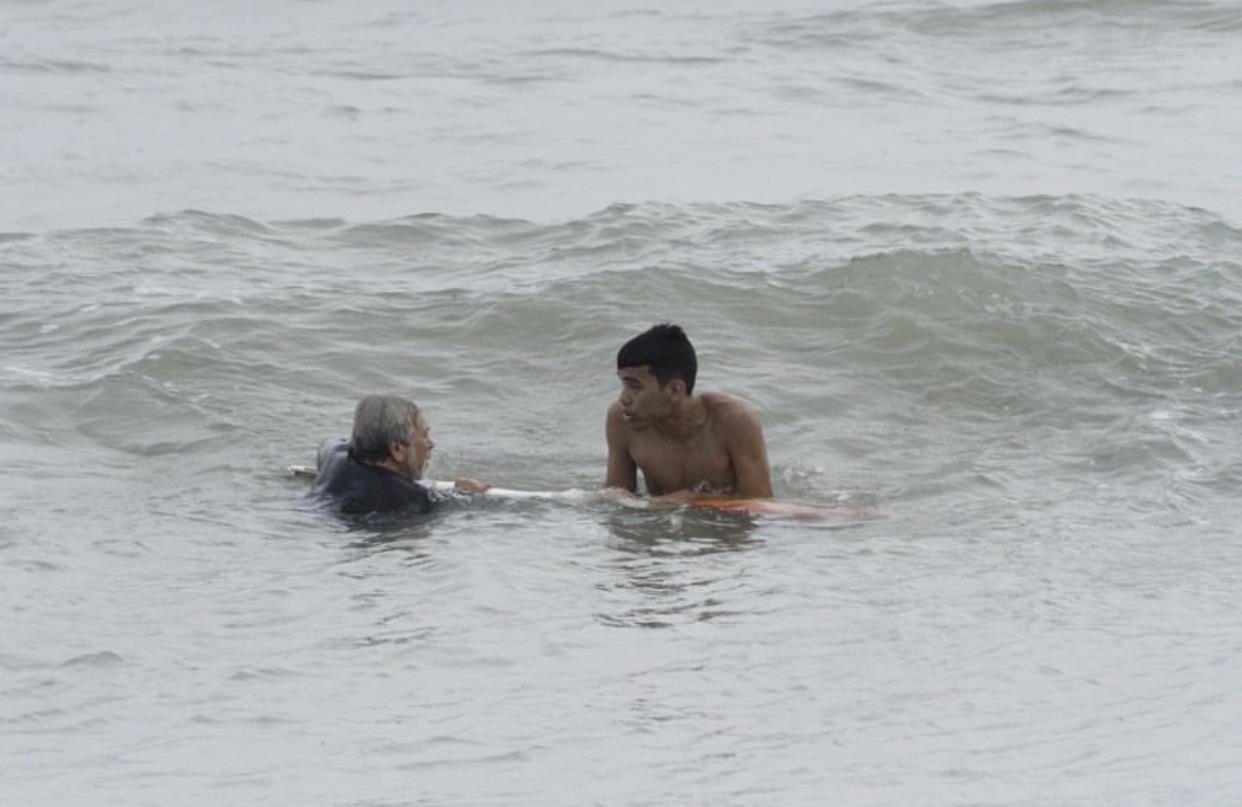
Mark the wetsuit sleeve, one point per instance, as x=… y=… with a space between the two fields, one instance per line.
x=424 y=500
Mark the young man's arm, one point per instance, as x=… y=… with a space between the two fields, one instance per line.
x=622 y=472
x=749 y=453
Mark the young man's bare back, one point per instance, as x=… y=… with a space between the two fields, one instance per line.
x=683 y=443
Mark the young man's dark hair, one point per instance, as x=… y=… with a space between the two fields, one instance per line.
x=665 y=351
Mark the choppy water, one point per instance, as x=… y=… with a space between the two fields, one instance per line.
x=977 y=265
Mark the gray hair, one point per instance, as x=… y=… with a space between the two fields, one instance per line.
x=380 y=421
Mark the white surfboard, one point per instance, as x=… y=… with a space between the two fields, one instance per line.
x=770 y=508
x=568 y=495
x=577 y=495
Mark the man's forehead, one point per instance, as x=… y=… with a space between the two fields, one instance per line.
x=640 y=372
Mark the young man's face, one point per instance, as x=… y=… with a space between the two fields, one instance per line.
x=642 y=398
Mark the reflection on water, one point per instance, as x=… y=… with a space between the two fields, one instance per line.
x=681 y=532
x=673 y=567
x=385 y=532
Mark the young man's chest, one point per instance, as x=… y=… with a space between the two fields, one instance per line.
x=698 y=463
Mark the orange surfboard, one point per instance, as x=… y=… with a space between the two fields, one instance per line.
x=779 y=509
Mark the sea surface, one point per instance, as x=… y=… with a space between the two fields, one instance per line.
x=977 y=265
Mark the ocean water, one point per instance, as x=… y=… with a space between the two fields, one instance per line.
x=976 y=265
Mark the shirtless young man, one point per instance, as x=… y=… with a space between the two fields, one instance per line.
x=685 y=444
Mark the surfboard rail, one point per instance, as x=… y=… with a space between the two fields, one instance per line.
x=770 y=508
x=780 y=509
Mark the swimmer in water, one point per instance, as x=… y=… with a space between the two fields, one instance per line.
x=685 y=444
x=378 y=470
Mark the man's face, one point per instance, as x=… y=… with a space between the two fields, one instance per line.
x=412 y=459
x=642 y=398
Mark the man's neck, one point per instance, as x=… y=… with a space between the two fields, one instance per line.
x=390 y=465
x=685 y=421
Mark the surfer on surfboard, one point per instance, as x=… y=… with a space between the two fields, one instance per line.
x=686 y=445
x=379 y=469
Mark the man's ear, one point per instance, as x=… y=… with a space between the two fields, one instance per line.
x=396 y=450
x=677 y=387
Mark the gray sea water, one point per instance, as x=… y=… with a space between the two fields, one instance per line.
x=976 y=264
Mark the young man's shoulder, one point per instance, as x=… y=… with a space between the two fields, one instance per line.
x=725 y=408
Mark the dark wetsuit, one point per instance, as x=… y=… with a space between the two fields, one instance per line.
x=354 y=488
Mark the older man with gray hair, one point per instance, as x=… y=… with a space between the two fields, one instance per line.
x=378 y=470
